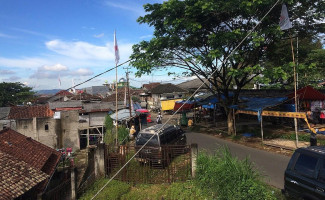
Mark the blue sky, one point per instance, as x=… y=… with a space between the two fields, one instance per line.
x=42 y=40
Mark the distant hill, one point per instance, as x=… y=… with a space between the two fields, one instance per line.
x=54 y=91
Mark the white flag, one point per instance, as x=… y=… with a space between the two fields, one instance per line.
x=73 y=89
x=117 y=54
x=59 y=81
x=284 y=19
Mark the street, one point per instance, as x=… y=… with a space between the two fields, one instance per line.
x=271 y=165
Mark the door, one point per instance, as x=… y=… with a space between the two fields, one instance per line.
x=320 y=184
x=300 y=179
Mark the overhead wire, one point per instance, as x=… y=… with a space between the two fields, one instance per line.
x=79 y=83
x=204 y=82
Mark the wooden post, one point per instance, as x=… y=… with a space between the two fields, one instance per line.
x=262 y=133
x=88 y=137
x=233 y=111
x=194 y=154
x=73 y=185
x=295 y=86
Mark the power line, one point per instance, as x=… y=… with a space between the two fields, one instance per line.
x=82 y=82
x=204 y=82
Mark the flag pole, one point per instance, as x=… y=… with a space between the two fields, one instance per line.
x=284 y=25
x=117 y=57
x=295 y=86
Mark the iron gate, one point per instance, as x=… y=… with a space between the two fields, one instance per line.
x=152 y=165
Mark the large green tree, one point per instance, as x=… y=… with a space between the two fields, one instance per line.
x=309 y=59
x=15 y=94
x=199 y=35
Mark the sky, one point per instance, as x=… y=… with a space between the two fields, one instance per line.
x=42 y=42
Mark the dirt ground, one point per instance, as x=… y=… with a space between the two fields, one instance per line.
x=271 y=132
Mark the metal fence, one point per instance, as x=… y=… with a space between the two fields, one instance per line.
x=61 y=192
x=165 y=164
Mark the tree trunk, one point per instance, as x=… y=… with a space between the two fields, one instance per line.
x=230 y=122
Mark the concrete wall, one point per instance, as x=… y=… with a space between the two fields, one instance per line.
x=47 y=137
x=69 y=129
x=97 y=119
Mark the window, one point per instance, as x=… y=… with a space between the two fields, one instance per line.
x=321 y=175
x=46 y=127
x=306 y=165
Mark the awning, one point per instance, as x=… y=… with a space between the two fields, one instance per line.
x=186 y=107
x=123 y=114
x=258 y=104
x=308 y=93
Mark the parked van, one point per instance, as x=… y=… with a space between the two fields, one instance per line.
x=304 y=177
x=162 y=135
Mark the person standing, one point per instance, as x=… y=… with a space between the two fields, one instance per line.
x=313 y=132
x=132 y=132
x=159 y=118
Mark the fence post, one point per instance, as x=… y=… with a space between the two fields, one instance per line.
x=73 y=184
x=99 y=160
x=194 y=154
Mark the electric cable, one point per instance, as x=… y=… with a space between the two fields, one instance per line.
x=204 y=82
x=80 y=83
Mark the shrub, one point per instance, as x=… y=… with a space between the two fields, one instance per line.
x=226 y=177
x=184 y=191
x=123 y=134
x=114 y=190
x=109 y=137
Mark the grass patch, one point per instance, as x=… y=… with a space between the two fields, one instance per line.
x=145 y=191
x=113 y=190
x=227 y=178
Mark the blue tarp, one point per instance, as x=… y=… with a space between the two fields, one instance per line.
x=207 y=102
x=258 y=104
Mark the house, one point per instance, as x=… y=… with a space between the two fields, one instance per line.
x=26 y=166
x=164 y=92
x=192 y=85
x=37 y=122
x=102 y=90
x=4 y=121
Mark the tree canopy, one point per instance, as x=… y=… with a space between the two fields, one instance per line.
x=199 y=35
x=15 y=94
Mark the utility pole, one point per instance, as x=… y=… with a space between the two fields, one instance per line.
x=128 y=85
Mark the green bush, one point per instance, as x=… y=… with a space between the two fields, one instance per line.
x=144 y=191
x=225 y=177
x=123 y=134
x=114 y=190
x=109 y=137
x=184 y=191
x=292 y=136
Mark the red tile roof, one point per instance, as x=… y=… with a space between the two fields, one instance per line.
x=150 y=86
x=24 y=148
x=28 y=112
x=63 y=93
x=17 y=177
x=308 y=93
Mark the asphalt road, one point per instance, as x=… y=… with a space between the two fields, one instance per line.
x=271 y=165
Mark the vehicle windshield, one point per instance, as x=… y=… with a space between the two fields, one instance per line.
x=143 y=138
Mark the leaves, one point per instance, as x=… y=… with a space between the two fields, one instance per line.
x=15 y=94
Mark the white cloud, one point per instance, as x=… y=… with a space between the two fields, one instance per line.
x=146 y=36
x=56 y=67
x=6 y=36
x=137 y=9
x=99 y=35
x=24 y=62
x=7 y=72
x=12 y=79
x=80 y=50
x=86 y=51
x=83 y=72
